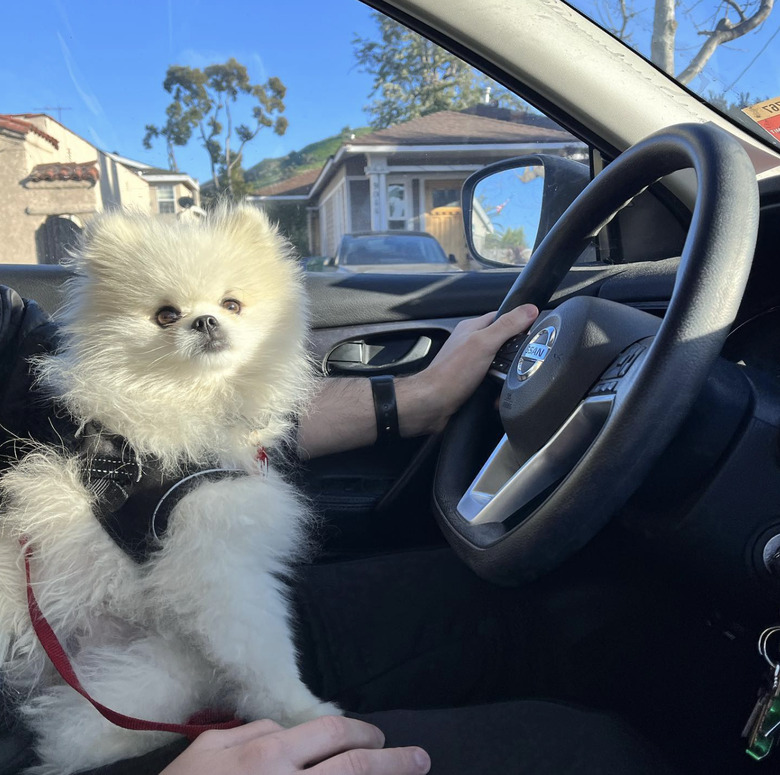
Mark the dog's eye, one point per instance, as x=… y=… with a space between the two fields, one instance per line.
x=167 y=316
x=232 y=305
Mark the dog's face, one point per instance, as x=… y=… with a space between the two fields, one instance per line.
x=188 y=300
x=200 y=331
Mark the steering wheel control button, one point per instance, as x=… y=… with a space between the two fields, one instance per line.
x=535 y=352
x=511 y=346
x=604 y=388
x=505 y=356
x=623 y=362
x=632 y=354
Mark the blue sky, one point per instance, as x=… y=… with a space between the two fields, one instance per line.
x=106 y=61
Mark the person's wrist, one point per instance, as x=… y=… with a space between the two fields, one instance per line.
x=419 y=412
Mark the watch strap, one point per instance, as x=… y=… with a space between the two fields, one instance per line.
x=385 y=407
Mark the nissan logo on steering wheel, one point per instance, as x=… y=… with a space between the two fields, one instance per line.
x=535 y=352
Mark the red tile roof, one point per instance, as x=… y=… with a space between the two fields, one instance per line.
x=22 y=127
x=65 y=171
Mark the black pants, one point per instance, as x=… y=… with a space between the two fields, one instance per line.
x=417 y=645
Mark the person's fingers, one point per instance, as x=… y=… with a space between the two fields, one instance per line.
x=227 y=738
x=327 y=736
x=513 y=322
x=510 y=324
x=517 y=319
x=475 y=324
x=387 y=761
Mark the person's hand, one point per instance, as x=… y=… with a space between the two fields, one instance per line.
x=329 y=745
x=428 y=399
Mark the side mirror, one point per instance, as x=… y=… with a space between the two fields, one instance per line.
x=509 y=206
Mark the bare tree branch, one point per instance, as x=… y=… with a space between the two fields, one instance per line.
x=625 y=16
x=737 y=8
x=725 y=31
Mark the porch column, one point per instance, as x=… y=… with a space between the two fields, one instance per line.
x=377 y=170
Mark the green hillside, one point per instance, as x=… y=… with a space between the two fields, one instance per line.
x=314 y=155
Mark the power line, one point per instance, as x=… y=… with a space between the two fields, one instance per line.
x=752 y=61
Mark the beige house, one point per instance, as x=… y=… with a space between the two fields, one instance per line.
x=409 y=176
x=52 y=182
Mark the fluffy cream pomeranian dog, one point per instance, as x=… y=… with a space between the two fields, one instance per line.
x=183 y=350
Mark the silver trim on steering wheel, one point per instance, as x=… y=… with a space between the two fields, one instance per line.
x=504 y=486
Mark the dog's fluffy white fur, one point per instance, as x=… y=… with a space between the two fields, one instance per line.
x=205 y=622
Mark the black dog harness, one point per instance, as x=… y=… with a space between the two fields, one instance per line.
x=134 y=500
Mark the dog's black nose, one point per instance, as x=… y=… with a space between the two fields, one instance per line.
x=205 y=324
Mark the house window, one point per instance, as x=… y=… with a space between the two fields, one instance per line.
x=397 y=206
x=445 y=197
x=166 y=200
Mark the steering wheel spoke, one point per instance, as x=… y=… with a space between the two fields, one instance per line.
x=505 y=487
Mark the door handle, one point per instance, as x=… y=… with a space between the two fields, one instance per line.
x=360 y=356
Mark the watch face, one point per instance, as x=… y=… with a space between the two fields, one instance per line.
x=535 y=352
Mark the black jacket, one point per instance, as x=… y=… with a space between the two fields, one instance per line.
x=25 y=412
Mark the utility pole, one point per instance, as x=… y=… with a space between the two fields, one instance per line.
x=58 y=108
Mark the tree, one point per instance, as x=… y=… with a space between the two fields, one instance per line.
x=202 y=100
x=730 y=20
x=292 y=222
x=176 y=131
x=414 y=77
x=235 y=186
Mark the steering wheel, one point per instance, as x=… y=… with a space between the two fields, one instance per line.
x=598 y=389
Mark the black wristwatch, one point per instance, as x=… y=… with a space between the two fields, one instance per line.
x=385 y=407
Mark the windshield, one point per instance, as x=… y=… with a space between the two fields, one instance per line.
x=725 y=51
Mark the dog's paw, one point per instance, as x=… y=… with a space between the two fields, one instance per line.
x=292 y=719
x=42 y=492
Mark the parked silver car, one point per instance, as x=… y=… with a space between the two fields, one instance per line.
x=391 y=251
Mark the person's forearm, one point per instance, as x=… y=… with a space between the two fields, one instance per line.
x=342 y=415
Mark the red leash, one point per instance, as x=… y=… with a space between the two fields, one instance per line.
x=197 y=724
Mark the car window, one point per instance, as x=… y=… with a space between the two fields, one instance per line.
x=368 y=128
